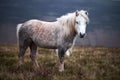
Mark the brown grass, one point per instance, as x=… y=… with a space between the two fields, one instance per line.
x=86 y=63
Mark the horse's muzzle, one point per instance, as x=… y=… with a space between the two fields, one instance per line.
x=82 y=35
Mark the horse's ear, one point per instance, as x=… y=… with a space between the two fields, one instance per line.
x=77 y=13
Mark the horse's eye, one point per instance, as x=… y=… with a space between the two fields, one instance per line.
x=76 y=22
x=86 y=13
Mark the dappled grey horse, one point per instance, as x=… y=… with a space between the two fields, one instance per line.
x=51 y=35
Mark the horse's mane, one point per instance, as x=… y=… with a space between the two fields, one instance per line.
x=67 y=19
x=67 y=22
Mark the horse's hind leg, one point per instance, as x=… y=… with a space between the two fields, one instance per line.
x=22 y=49
x=33 y=51
x=23 y=45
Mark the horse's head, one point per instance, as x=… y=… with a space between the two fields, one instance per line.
x=81 y=21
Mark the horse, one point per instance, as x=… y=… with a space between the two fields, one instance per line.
x=59 y=34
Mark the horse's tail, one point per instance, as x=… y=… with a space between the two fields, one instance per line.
x=18 y=28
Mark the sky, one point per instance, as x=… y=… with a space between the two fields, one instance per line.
x=103 y=30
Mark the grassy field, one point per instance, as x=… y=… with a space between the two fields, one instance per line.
x=86 y=63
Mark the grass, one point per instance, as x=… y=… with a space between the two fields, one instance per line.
x=86 y=63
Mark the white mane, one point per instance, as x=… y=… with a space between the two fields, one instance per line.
x=67 y=22
x=67 y=19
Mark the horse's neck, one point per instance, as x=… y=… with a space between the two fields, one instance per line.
x=68 y=24
x=71 y=29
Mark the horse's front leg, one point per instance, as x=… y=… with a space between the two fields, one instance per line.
x=69 y=52
x=61 y=53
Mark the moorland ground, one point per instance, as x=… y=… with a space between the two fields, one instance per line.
x=85 y=63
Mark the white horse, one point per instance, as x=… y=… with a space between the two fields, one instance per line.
x=51 y=35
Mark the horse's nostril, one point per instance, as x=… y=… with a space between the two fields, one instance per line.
x=82 y=35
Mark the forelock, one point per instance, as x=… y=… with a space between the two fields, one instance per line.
x=85 y=15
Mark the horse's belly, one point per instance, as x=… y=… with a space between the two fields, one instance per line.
x=46 y=44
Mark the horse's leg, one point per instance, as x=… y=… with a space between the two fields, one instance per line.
x=61 y=53
x=69 y=51
x=56 y=51
x=23 y=45
x=33 y=51
x=22 y=49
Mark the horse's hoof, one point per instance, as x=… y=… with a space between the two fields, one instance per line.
x=61 y=67
x=61 y=70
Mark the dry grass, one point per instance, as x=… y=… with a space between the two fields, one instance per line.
x=86 y=63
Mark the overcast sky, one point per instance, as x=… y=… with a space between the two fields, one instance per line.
x=104 y=14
